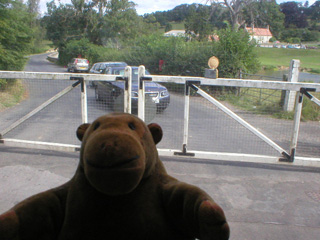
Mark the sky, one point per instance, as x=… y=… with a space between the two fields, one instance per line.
x=147 y=6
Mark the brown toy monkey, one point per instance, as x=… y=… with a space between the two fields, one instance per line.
x=120 y=191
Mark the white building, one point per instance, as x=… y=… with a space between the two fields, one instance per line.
x=261 y=35
x=175 y=33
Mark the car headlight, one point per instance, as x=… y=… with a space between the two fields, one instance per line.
x=164 y=93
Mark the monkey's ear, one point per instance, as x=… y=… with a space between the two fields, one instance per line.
x=82 y=130
x=156 y=132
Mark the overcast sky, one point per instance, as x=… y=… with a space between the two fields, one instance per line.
x=147 y=6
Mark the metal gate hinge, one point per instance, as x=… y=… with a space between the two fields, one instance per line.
x=184 y=152
x=287 y=158
x=144 y=79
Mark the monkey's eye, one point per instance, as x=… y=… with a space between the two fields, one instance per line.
x=132 y=126
x=96 y=125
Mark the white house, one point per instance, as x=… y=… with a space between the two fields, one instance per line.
x=261 y=35
x=175 y=33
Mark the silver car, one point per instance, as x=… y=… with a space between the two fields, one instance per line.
x=78 y=65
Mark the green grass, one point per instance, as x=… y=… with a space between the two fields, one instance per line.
x=177 y=25
x=268 y=102
x=281 y=57
x=42 y=47
x=12 y=94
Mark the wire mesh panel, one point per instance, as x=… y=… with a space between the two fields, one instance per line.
x=225 y=134
x=55 y=122
x=171 y=118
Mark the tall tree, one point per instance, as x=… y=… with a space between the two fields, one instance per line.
x=294 y=15
x=263 y=14
x=15 y=34
x=198 y=22
x=235 y=8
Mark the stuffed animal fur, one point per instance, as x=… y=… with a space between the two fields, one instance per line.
x=120 y=191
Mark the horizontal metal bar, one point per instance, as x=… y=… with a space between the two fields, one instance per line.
x=238 y=157
x=40 y=145
x=311 y=97
x=249 y=83
x=280 y=85
x=57 y=76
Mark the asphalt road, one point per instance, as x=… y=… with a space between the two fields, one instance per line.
x=260 y=201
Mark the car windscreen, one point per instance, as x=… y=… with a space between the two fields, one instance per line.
x=82 y=61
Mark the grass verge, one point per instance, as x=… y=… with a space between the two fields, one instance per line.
x=281 y=57
x=256 y=104
x=12 y=94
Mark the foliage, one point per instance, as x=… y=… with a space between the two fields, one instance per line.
x=180 y=57
x=15 y=35
x=78 y=48
x=304 y=35
x=264 y=14
x=198 y=22
x=115 y=22
x=294 y=15
x=235 y=52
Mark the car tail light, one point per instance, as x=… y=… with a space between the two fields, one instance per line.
x=76 y=61
x=88 y=61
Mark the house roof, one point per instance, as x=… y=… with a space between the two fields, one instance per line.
x=259 y=31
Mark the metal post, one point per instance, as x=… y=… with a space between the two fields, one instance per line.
x=296 y=126
x=293 y=77
x=128 y=88
x=186 y=118
x=84 y=102
x=141 y=93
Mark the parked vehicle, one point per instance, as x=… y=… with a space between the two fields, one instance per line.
x=78 y=65
x=99 y=67
x=110 y=91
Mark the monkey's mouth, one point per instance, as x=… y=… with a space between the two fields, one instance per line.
x=107 y=164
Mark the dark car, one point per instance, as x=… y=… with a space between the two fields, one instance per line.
x=110 y=91
x=99 y=67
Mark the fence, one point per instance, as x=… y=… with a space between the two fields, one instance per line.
x=198 y=118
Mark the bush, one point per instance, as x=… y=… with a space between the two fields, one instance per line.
x=179 y=57
x=235 y=53
x=304 y=35
x=294 y=40
x=273 y=39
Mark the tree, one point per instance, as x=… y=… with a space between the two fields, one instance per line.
x=15 y=34
x=235 y=7
x=263 y=14
x=294 y=15
x=314 y=15
x=235 y=53
x=198 y=22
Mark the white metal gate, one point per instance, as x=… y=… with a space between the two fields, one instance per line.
x=182 y=139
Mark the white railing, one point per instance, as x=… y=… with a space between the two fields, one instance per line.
x=195 y=83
